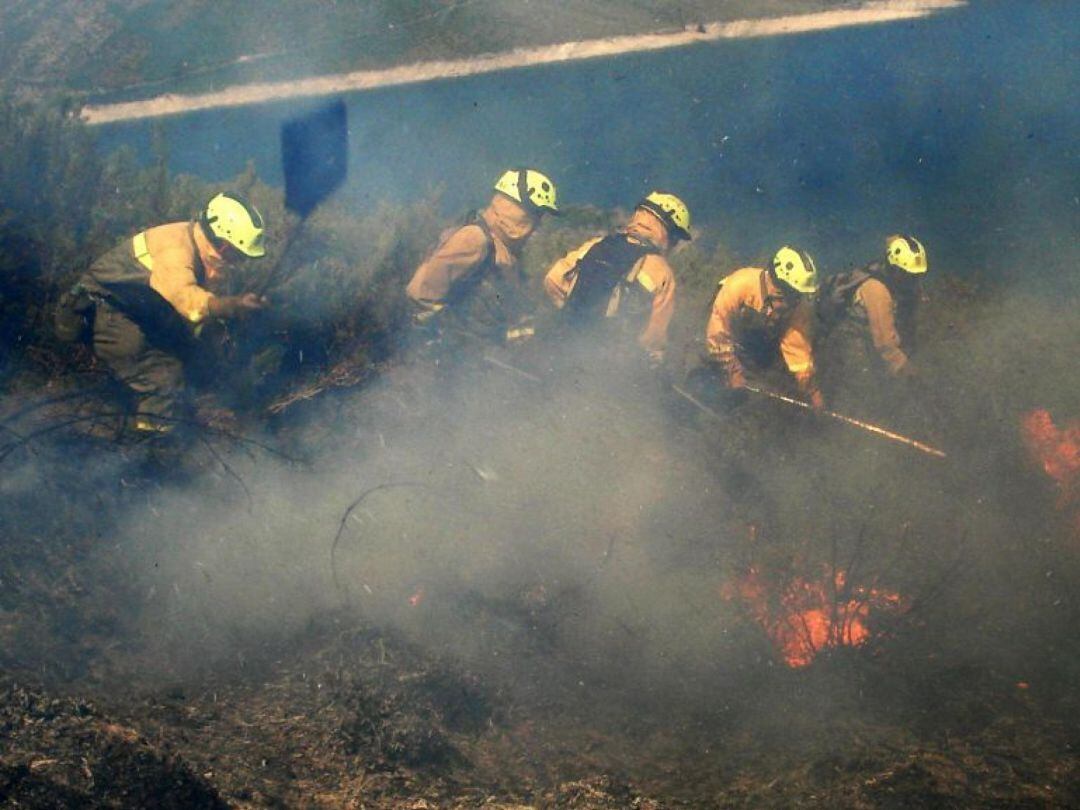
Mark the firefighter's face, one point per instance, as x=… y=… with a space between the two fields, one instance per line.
x=230 y=255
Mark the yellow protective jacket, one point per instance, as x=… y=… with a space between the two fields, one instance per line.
x=748 y=301
x=651 y=272
x=167 y=260
x=466 y=251
x=875 y=305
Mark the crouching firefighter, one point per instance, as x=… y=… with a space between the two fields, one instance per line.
x=882 y=298
x=762 y=315
x=146 y=298
x=621 y=286
x=471 y=288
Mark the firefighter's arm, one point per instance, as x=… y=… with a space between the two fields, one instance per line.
x=796 y=346
x=560 y=278
x=878 y=303
x=229 y=306
x=455 y=258
x=720 y=335
x=656 y=277
x=173 y=278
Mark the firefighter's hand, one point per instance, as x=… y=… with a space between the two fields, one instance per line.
x=908 y=371
x=250 y=301
x=736 y=379
x=229 y=306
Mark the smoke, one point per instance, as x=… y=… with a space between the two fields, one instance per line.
x=510 y=518
x=582 y=529
x=585 y=527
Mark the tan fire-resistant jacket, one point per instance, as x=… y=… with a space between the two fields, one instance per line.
x=173 y=250
x=652 y=272
x=464 y=251
x=874 y=304
x=747 y=300
x=175 y=260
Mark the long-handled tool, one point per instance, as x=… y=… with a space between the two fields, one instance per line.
x=314 y=161
x=888 y=434
x=880 y=431
x=697 y=403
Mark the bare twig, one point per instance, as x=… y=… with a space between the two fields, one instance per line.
x=230 y=471
x=938 y=586
x=494 y=361
x=239 y=438
x=352 y=507
x=10 y=448
x=82 y=393
x=835 y=635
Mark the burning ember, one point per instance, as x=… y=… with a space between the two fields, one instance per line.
x=418 y=597
x=1057 y=450
x=809 y=617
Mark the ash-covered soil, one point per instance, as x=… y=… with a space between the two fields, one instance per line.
x=341 y=711
x=353 y=718
x=187 y=631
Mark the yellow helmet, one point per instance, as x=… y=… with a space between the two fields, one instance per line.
x=530 y=187
x=232 y=219
x=796 y=269
x=907 y=253
x=671 y=210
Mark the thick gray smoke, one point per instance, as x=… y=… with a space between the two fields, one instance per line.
x=555 y=517
x=593 y=526
x=581 y=523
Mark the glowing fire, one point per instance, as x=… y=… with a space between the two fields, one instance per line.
x=418 y=597
x=813 y=616
x=1057 y=450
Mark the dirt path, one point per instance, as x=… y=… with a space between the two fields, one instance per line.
x=873 y=12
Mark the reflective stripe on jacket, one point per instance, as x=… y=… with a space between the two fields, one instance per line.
x=164 y=259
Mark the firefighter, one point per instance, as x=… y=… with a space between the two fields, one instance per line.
x=882 y=298
x=148 y=296
x=760 y=315
x=623 y=280
x=472 y=284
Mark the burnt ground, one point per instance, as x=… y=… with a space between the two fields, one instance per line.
x=342 y=713
x=353 y=718
x=965 y=699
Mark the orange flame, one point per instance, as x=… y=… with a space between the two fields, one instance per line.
x=417 y=597
x=813 y=616
x=1057 y=451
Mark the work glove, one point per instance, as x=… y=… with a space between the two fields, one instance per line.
x=908 y=371
x=809 y=391
x=230 y=306
x=736 y=377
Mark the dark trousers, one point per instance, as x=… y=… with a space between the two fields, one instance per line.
x=153 y=374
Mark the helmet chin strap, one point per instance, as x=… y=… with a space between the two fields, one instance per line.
x=523 y=186
x=215 y=241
